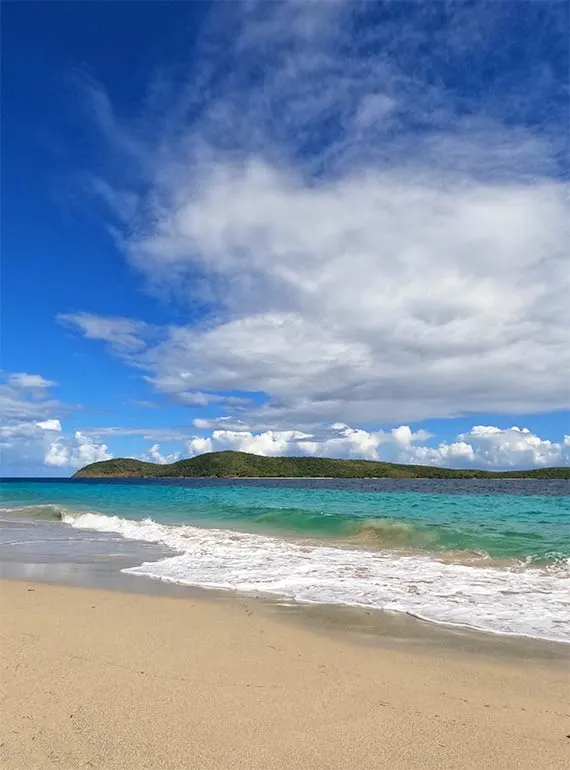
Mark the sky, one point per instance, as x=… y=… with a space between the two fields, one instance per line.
x=307 y=228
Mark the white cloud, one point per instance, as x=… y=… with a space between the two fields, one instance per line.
x=482 y=447
x=337 y=441
x=487 y=446
x=31 y=436
x=330 y=301
x=175 y=387
x=29 y=381
x=26 y=397
x=384 y=250
x=200 y=445
x=153 y=455
x=157 y=434
x=26 y=447
x=54 y=425
x=270 y=443
x=31 y=445
x=122 y=333
x=223 y=422
x=75 y=452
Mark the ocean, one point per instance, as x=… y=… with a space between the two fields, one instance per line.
x=493 y=555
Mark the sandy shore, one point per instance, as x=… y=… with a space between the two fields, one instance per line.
x=117 y=681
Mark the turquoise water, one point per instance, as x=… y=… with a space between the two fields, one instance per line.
x=491 y=555
x=513 y=526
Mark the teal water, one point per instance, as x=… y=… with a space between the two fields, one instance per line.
x=489 y=555
x=502 y=525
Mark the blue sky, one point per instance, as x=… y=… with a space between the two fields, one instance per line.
x=289 y=228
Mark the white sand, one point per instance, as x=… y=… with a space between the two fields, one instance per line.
x=115 y=681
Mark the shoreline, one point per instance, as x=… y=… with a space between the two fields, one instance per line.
x=377 y=627
x=113 y=680
x=498 y=477
x=94 y=556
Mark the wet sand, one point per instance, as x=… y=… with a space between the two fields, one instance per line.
x=122 y=681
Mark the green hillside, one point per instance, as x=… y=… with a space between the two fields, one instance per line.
x=241 y=464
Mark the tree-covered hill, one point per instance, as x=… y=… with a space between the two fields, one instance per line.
x=241 y=465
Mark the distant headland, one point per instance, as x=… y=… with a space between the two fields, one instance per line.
x=229 y=465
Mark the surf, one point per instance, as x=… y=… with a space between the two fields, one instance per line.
x=488 y=598
x=45 y=511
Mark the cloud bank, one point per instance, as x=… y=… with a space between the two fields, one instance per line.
x=32 y=438
x=483 y=447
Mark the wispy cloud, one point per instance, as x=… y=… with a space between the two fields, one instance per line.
x=158 y=434
x=29 y=382
x=123 y=334
x=143 y=404
x=27 y=397
x=368 y=200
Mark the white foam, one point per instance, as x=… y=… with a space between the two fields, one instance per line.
x=525 y=602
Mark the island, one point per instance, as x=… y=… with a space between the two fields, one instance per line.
x=230 y=465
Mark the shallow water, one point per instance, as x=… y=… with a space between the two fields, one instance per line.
x=493 y=555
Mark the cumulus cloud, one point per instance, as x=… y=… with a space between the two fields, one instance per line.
x=487 y=446
x=153 y=455
x=338 y=440
x=270 y=443
x=75 y=451
x=376 y=248
x=27 y=447
x=482 y=447
x=31 y=437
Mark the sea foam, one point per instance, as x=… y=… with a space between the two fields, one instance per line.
x=523 y=601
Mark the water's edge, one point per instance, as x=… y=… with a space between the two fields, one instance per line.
x=355 y=625
x=494 y=557
x=236 y=563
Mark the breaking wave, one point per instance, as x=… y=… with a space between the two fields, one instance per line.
x=382 y=533
x=48 y=511
x=525 y=600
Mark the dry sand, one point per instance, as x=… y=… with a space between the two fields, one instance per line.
x=114 y=681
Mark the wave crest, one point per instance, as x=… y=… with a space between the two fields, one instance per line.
x=378 y=533
x=500 y=600
x=46 y=511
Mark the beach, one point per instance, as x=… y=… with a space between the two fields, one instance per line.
x=122 y=681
